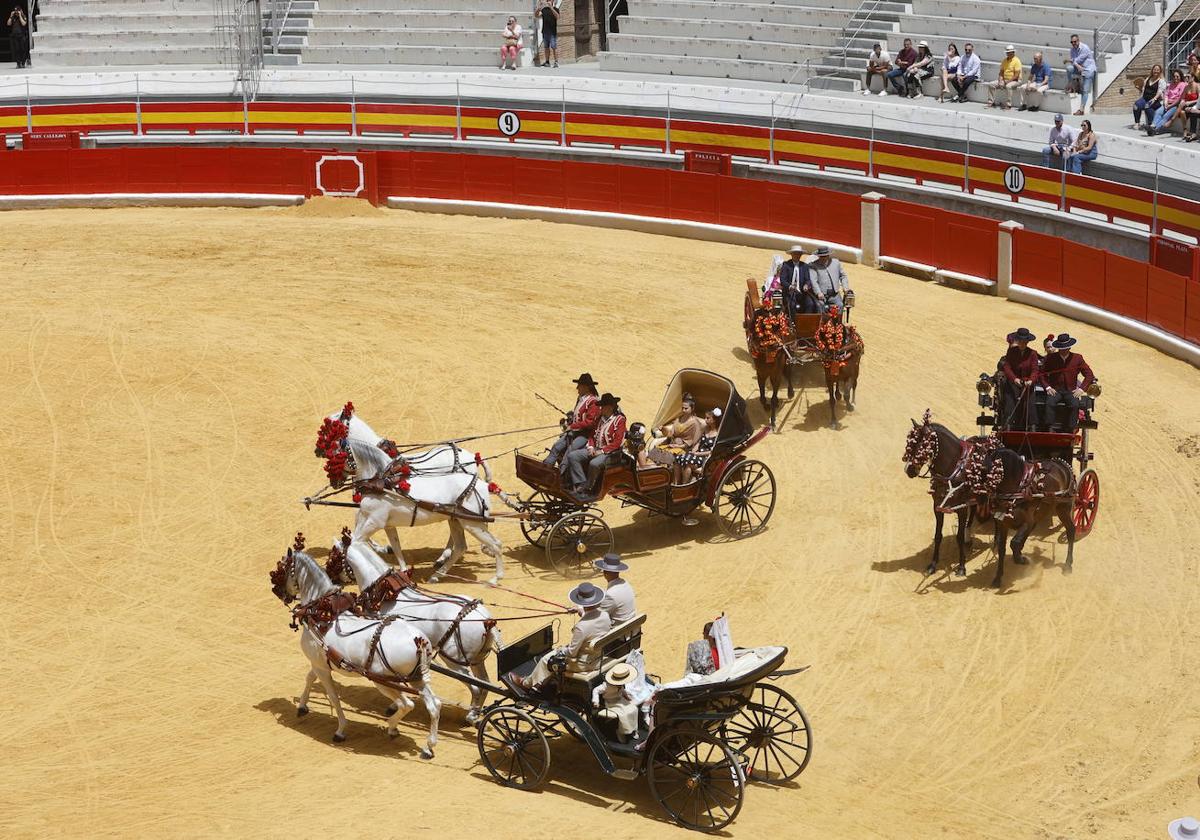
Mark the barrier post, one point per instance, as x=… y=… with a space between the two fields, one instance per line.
x=457 y=111
x=771 y=135
x=871 y=148
x=967 y=164
x=353 y=108
x=245 y=113
x=869 y=228
x=28 y=108
x=1004 y=256
x=562 y=134
x=137 y=90
x=1154 y=222
x=1062 y=189
x=668 y=136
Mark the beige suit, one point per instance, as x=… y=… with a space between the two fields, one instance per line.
x=618 y=602
x=592 y=625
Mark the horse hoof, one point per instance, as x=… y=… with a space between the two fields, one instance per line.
x=471 y=719
x=393 y=733
x=338 y=737
x=1021 y=561
x=996 y=583
x=391 y=710
x=849 y=406
x=427 y=755
x=1067 y=570
x=493 y=581
x=961 y=571
x=301 y=711
x=930 y=569
x=433 y=578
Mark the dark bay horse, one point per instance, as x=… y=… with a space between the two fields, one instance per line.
x=841 y=369
x=766 y=334
x=934 y=446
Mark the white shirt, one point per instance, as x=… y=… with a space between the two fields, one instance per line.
x=878 y=60
x=514 y=31
x=1064 y=136
x=618 y=602
x=592 y=625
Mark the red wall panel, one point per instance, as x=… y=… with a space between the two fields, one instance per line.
x=744 y=203
x=908 y=232
x=1037 y=261
x=790 y=209
x=1083 y=273
x=540 y=182
x=1191 y=329
x=642 y=192
x=1166 y=299
x=1125 y=286
x=695 y=196
x=968 y=245
x=837 y=217
x=592 y=186
x=395 y=173
x=488 y=178
x=437 y=175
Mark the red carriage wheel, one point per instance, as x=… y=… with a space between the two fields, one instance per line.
x=1087 y=502
x=748 y=322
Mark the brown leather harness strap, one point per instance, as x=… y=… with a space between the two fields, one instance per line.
x=455 y=629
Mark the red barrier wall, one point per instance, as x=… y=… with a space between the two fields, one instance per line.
x=945 y=240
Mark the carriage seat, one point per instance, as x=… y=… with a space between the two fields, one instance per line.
x=613 y=647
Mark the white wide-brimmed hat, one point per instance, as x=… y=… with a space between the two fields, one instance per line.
x=611 y=563
x=1010 y=48
x=1184 y=828
x=796 y=249
x=587 y=594
x=620 y=674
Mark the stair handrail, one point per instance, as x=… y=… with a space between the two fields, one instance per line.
x=276 y=23
x=865 y=7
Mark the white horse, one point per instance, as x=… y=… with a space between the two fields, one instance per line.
x=463 y=627
x=391 y=654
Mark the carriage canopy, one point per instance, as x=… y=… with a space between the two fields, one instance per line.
x=711 y=390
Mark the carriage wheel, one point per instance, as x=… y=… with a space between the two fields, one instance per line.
x=576 y=541
x=697 y=780
x=535 y=529
x=513 y=748
x=745 y=499
x=1087 y=503
x=774 y=734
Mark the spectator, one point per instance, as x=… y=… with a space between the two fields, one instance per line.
x=1191 y=95
x=1062 y=139
x=967 y=75
x=549 y=17
x=1151 y=98
x=878 y=63
x=18 y=34
x=1008 y=78
x=1084 y=149
x=1040 y=78
x=904 y=60
x=512 y=44
x=1192 y=112
x=1195 y=49
x=1083 y=71
x=1193 y=67
x=1170 y=103
x=919 y=70
x=949 y=68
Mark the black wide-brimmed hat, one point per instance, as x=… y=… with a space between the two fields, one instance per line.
x=608 y=399
x=587 y=594
x=1022 y=335
x=611 y=563
x=585 y=379
x=1063 y=341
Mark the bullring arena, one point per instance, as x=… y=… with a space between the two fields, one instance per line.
x=198 y=275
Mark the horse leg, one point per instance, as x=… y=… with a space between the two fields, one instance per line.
x=774 y=398
x=1024 y=529
x=939 y=518
x=851 y=389
x=331 y=692
x=1066 y=515
x=393 y=540
x=832 y=405
x=371 y=520
x=433 y=706
x=401 y=706
x=478 y=695
x=491 y=546
x=961 y=571
x=787 y=371
x=309 y=681
x=1001 y=539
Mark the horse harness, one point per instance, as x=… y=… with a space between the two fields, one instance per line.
x=388 y=588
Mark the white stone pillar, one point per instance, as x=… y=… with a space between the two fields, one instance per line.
x=869 y=232
x=1004 y=257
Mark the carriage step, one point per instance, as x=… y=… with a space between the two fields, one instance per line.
x=624 y=775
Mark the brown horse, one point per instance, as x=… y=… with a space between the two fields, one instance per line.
x=766 y=334
x=841 y=349
x=934 y=446
x=1020 y=495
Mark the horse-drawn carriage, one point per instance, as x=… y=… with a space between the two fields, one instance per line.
x=740 y=491
x=697 y=742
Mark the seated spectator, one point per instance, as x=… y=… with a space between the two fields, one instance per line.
x=1191 y=95
x=549 y=17
x=967 y=75
x=691 y=462
x=1040 y=78
x=949 y=68
x=1193 y=67
x=512 y=44
x=1084 y=149
x=1195 y=49
x=1171 y=100
x=1007 y=79
x=919 y=71
x=1151 y=99
x=1062 y=140
x=1082 y=71
x=904 y=60
x=879 y=62
x=1192 y=112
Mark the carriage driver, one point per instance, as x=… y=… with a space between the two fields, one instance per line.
x=618 y=596
x=605 y=440
x=826 y=282
x=593 y=624
x=1020 y=369
x=1061 y=372
x=579 y=423
x=793 y=278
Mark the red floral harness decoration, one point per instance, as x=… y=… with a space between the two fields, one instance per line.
x=836 y=341
x=770 y=334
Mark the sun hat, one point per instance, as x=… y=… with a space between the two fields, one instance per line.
x=586 y=594
x=796 y=249
x=611 y=563
x=1010 y=48
x=1184 y=828
x=1058 y=117
x=608 y=399
x=924 y=44
x=585 y=379
x=1022 y=334
x=620 y=674
x=1063 y=341
x=823 y=251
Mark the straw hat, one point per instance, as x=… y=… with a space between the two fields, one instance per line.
x=622 y=674
x=1184 y=828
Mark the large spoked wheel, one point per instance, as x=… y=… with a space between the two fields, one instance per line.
x=696 y=779
x=513 y=748
x=535 y=528
x=748 y=313
x=745 y=499
x=773 y=733
x=576 y=541
x=1087 y=503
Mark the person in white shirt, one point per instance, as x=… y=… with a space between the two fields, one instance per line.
x=512 y=44
x=879 y=62
x=967 y=75
x=612 y=699
x=618 y=597
x=591 y=625
x=1062 y=139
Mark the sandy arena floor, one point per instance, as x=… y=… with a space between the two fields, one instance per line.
x=164 y=373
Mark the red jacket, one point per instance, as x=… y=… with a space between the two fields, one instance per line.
x=609 y=434
x=1063 y=374
x=1021 y=364
x=587 y=412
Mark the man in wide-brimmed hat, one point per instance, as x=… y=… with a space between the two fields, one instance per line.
x=585 y=464
x=1066 y=377
x=591 y=625
x=793 y=277
x=1020 y=368
x=618 y=596
x=579 y=423
x=827 y=282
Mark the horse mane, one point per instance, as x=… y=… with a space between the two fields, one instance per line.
x=366 y=556
x=370 y=461
x=1013 y=463
x=309 y=572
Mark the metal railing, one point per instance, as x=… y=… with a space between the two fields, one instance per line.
x=1179 y=43
x=240 y=33
x=277 y=22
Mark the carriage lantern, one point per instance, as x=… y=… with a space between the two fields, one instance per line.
x=984 y=387
x=848 y=299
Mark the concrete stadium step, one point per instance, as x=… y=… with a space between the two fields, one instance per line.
x=1051 y=102
x=375 y=19
x=326 y=36
x=116 y=57
x=439 y=56
x=1048 y=15
x=983 y=31
x=750 y=30
x=498 y=8
x=132 y=39
x=117 y=6
x=714 y=48
x=124 y=20
x=722 y=68
x=817 y=14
